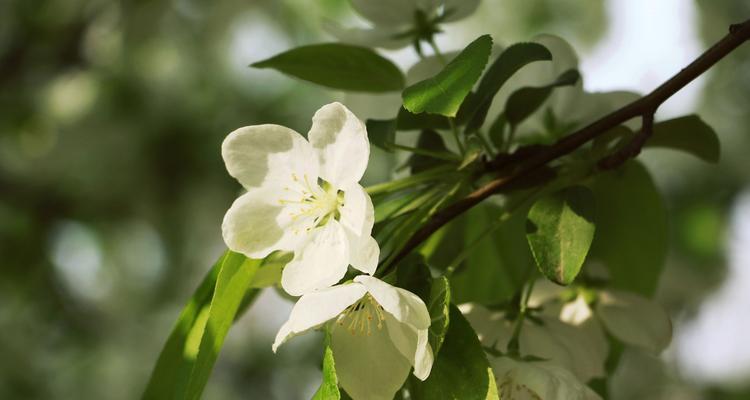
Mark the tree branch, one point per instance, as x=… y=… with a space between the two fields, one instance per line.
x=645 y=107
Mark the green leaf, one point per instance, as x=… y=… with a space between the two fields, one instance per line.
x=631 y=239
x=338 y=66
x=689 y=134
x=406 y=121
x=329 y=388
x=444 y=92
x=497 y=131
x=559 y=229
x=431 y=141
x=461 y=370
x=508 y=63
x=414 y=276
x=497 y=265
x=187 y=358
x=382 y=133
x=524 y=101
x=439 y=307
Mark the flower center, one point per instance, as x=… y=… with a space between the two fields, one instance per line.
x=359 y=317
x=318 y=201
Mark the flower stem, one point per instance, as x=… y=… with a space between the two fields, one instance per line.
x=513 y=344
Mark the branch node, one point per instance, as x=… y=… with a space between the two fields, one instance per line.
x=632 y=148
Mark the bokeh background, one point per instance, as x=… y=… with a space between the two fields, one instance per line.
x=112 y=187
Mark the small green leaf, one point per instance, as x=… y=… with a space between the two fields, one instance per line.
x=338 y=66
x=187 y=358
x=524 y=101
x=461 y=370
x=431 y=141
x=631 y=239
x=444 y=92
x=414 y=276
x=559 y=229
x=497 y=131
x=382 y=133
x=439 y=307
x=508 y=63
x=329 y=388
x=689 y=134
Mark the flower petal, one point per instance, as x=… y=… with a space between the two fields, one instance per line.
x=534 y=380
x=262 y=155
x=393 y=12
x=368 y=366
x=340 y=139
x=413 y=344
x=364 y=253
x=384 y=37
x=255 y=225
x=357 y=212
x=404 y=305
x=635 y=320
x=459 y=9
x=319 y=263
x=314 y=309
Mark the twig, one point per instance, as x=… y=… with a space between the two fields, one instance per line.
x=645 y=106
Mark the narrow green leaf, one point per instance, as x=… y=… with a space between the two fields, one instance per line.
x=559 y=229
x=187 y=358
x=524 y=101
x=461 y=370
x=689 y=134
x=435 y=174
x=338 y=66
x=329 y=388
x=631 y=239
x=439 y=307
x=444 y=92
x=497 y=131
x=506 y=65
x=382 y=133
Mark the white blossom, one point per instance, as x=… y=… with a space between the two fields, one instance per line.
x=303 y=197
x=533 y=380
x=378 y=333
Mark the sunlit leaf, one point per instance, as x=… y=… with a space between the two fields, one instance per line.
x=329 y=388
x=559 y=229
x=461 y=370
x=443 y=93
x=338 y=66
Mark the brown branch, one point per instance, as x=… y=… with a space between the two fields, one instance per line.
x=644 y=107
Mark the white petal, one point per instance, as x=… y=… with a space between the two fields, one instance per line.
x=319 y=263
x=534 y=380
x=412 y=344
x=576 y=312
x=364 y=253
x=357 y=212
x=257 y=224
x=404 y=305
x=262 y=155
x=314 y=309
x=387 y=38
x=459 y=9
x=393 y=12
x=491 y=326
x=340 y=139
x=369 y=367
x=635 y=320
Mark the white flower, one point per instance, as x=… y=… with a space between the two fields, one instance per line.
x=395 y=23
x=517 y=380
x=303 y=197
x=378 y=332
x=634 y=319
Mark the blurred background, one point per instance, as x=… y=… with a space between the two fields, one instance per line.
x=112 y=187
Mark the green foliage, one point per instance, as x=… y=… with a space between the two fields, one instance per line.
x=382 y=133
x=689 y=134
x=461 y=370
x=523 y=102
x=506 y=65
x=439 y=307
x=631 y=237
x=431 y=141
x=329 y=388
x=188 y=357
x=444 y=92
x=338 y=66
x=559 y=229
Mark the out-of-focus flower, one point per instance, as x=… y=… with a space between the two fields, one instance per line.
x=378 y=333
x=303 y=197
x=398 y=23
x=533 y=380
